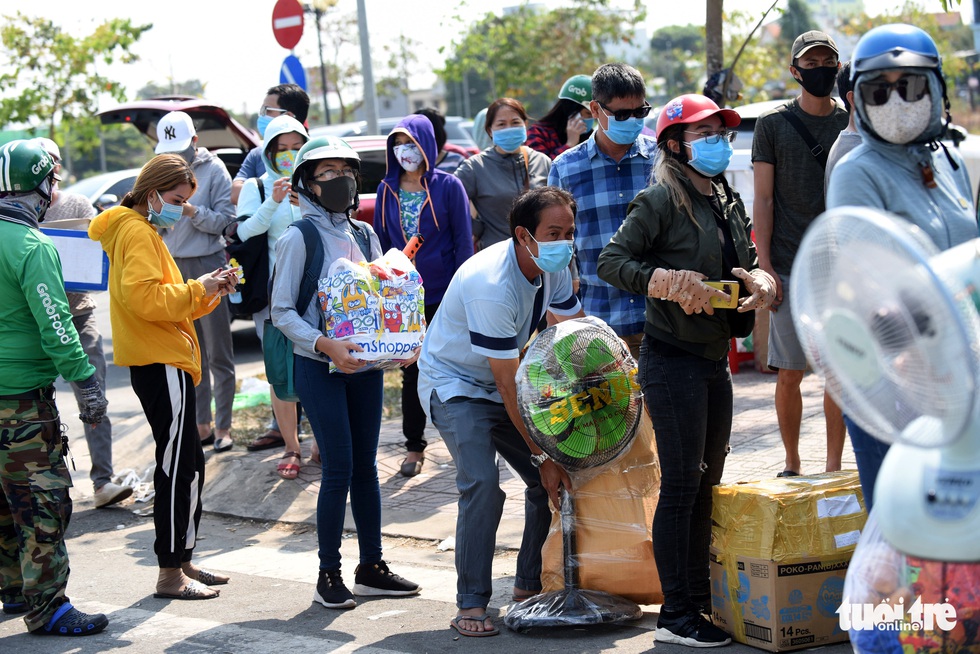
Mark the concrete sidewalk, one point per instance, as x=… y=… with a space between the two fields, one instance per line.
x=245 y=484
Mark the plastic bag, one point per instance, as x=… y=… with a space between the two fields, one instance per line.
x=613 y=520
x=378 y=305
x=892 y=601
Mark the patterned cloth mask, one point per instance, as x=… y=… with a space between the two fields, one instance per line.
x=898 y=121
x=409 y=156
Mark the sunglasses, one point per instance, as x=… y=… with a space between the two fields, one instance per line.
x=623 y=114
x=910 y=88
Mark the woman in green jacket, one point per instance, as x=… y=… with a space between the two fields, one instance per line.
x=687 y=227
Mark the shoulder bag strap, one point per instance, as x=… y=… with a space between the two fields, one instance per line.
x=816 y=149
x=527 y=167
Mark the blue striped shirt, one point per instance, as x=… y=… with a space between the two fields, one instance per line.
x=603 y=189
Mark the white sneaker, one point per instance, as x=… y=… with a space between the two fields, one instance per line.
x=110 y=494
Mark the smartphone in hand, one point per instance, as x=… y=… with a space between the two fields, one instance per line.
x=726 y=286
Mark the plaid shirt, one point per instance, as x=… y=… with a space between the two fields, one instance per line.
x=544 y=138
x=603 y=189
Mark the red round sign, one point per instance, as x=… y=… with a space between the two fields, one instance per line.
x=287 y=23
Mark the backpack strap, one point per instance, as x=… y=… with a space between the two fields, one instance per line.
x=258 y=182
x=314 y=263
x=817 y=150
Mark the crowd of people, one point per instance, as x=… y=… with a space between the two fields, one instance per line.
x=582 y=212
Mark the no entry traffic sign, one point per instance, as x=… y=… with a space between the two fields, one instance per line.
x=287 y=23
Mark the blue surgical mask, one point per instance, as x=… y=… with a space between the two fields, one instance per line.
x=553 y=256
x=710 y=159
x=589 y=123
x=510 y=138
x=168 y=215
x=623 y=132
x=262 y=123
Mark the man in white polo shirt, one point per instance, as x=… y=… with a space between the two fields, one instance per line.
x=468 y=389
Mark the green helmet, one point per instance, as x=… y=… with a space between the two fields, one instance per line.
x=318 y=149
x=24 y=165
x=323 y=147
x=577 y=89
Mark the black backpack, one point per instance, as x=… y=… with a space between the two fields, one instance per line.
x=252 y=255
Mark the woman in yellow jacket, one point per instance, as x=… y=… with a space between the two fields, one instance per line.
x=152 y=311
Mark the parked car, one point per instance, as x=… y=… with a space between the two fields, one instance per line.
x=107 y=189
x=456 y=133
x=739 y=171
x=217 y=131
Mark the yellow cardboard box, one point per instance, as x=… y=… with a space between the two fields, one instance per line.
x=780 y=550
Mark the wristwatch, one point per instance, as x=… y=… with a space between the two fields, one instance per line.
x=538 y=459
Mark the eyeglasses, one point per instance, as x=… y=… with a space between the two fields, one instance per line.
x=911 y=87
x=623 y=114
x=273 y=112
x=713 y=137
x=330 y=173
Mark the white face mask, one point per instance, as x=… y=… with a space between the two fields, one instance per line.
x=409 y=156
x=898 y=121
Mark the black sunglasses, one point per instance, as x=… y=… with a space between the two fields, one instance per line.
x=911 y=87
x=623 y=114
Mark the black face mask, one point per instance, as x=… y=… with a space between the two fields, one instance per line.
x=337 y=195
x=818 y=82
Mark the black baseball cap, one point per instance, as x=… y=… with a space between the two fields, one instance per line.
x=812 y=39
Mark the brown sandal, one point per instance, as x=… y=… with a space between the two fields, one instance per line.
x=290 y=470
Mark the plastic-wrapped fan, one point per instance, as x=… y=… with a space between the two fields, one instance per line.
x=580 y=402
x=578 y=394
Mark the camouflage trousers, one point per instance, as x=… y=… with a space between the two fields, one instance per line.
x=34 y=508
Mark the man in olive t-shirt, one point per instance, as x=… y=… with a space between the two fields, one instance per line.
x=788 y=196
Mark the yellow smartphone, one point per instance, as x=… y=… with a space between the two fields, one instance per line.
x=730 y=287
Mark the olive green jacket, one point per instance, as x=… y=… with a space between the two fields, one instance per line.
x=658 y=234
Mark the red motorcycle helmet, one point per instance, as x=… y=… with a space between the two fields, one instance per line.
x=692 y=108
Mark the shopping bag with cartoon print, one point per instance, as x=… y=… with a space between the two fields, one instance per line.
x=378 y=305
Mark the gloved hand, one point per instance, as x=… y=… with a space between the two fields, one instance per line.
x=93 y=401
x=685 y=288
x=760 y=285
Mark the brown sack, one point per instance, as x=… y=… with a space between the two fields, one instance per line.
x=614 y=515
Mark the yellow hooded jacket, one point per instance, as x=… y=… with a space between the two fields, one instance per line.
x=151 y=309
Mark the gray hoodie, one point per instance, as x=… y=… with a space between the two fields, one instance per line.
x=201 y=235
x=887 y=176
x=337 y=235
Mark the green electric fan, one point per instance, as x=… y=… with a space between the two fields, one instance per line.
x=581 y=404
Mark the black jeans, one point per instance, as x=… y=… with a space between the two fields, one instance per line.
x=413 y=416
x=690 y=403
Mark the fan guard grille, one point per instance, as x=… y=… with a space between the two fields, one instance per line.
x=578 y=395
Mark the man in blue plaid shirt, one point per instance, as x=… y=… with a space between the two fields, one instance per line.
x=604 y=174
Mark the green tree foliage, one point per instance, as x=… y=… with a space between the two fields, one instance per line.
x=676 y=55
x=796 y=20
x=50 y=77
x=528 y=53
x=949 y=41
x=124 y=146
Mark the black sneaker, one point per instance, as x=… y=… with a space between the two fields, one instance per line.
x=331 y=591
x=378 y=580
x=689 y=629
x=69 y=621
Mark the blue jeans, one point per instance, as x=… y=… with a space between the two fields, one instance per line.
x=475 y=431
x=690 y=403
x=869 y=452
x=345 y=413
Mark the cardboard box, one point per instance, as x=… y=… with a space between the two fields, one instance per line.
x=780 y=551
x=779 y=607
